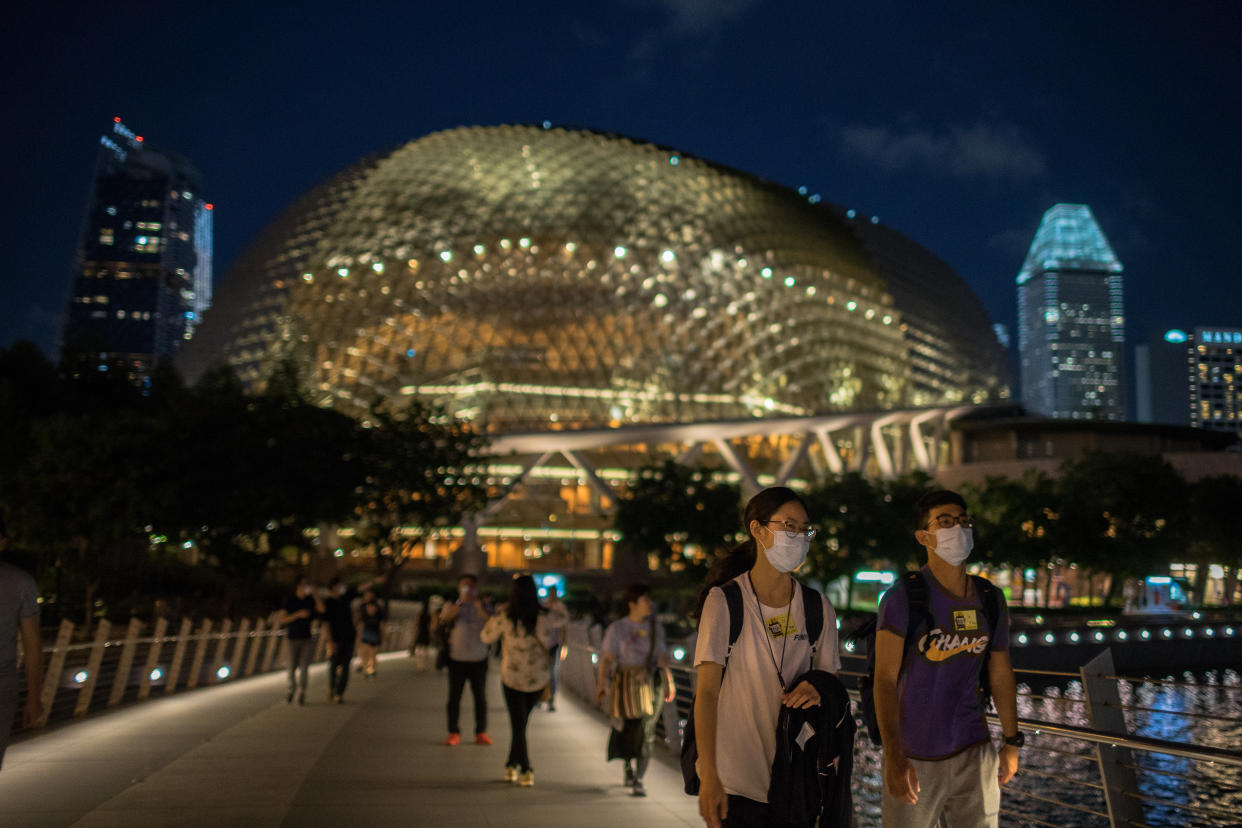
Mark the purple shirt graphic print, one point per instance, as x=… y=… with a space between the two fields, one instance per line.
x=938 y=690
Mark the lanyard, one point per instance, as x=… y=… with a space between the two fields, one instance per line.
x=784 y=630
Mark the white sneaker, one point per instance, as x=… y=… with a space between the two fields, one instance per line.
x=527 y=779
x=511 y=774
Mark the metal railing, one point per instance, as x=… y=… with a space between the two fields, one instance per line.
x=1082 y=764
x=107 y=671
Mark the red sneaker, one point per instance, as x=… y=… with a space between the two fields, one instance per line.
x=482 y=739
x=453 y=739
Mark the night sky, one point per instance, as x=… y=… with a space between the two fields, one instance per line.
x=958 y=127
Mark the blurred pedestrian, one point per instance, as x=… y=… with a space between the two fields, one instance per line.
x=296 y=616
x=467 y=658
x=559 y=637
x=19 y=617
x=524 y=628
x=339 y=612
x=371 y=618
x=422 y=638
x=633 y=665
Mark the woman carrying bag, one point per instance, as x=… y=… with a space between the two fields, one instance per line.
x=640 y=685
x=525 y=630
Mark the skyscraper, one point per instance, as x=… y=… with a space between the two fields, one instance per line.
x=1216 y=379
x=143 y=266
x=1162 y=380
x=1071 y=321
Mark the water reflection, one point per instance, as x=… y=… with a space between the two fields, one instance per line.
x=1060 y=780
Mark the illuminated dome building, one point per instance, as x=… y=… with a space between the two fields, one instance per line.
x=538 y=278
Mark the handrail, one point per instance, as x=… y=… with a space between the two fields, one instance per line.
x=1232 y=758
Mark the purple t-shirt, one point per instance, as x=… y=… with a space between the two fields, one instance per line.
x=938 y=690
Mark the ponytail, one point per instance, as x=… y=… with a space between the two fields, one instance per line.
x=740 y=559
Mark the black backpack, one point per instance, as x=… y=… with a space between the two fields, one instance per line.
x=919 y=618
x=813 y=610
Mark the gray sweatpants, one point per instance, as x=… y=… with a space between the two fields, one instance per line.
x=963 y=788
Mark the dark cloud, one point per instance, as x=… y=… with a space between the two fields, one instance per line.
x=992 y=150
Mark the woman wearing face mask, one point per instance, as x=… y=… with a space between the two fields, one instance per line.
x=736 y=710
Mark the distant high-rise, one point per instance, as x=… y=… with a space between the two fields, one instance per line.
x=143 y=267
x=1216 y=379
x=1163 y=368
x=1071 y=321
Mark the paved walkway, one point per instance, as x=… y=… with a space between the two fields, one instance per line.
x=237 y=755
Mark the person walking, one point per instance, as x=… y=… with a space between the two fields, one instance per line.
x=19 y=618
x=371 y=617
x=938 y=754
x=296 y=616
x=524 y=630
x=736 y=712
x=467 y=658
x=338 y=609
x=559 y=637
x=634 y=665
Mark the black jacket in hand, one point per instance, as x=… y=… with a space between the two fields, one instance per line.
x=814 y=758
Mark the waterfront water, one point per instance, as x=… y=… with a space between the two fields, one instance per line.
x=1060 y=779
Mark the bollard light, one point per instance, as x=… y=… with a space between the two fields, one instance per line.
x=1122 y=635
x=156 y=674
x=1166 y=632
x=1144 y=634
x=1209 y=632
x=1050 y=638
x=1098 y=635
x=679 y=653
x=1229 y=632
x=80 y=677
x=1022 y=639
x=223 y=672
x=595 y=658
x=1188 y=632
x=1073 y=637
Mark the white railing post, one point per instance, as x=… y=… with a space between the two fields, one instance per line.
x=153 y=658
x=200 y=652
x=174 y=667
x=121 y=679
x=222 y=642
x=1106 y=715
x=55 y=665
x=252 y=657
x=93 y=662
x=273 y=643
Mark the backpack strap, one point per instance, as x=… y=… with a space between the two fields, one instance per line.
x=813 y=613
x=917 y=613
x=989 y=596
x=733 y=601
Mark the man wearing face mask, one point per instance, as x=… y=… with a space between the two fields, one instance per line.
x=467 y=658
x=339 y=612
x=938 y=754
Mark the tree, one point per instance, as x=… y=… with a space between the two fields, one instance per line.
x=1123 y=514
x=1215 y=538
x=670 y=507
x=864 y=524
x=421 y=469
x=1015 y=522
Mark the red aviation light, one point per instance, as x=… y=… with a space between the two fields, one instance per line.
x=116 y=119
x=138 y=138
x=209 y=206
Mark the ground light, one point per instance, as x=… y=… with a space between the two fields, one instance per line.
x=223 y=672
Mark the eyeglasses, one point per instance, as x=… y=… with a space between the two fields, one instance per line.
x=794 y=530
x=949 y=521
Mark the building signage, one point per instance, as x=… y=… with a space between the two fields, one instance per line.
x=1220 y=337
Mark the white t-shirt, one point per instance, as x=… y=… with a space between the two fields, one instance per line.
x=750 y=697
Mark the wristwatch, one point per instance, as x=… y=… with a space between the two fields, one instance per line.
x=1017 y=741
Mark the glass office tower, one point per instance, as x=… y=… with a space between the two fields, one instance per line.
x=143 y=267
x=1216 y=379
x=1071 y=321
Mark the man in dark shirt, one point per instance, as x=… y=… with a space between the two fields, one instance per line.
x=296 y=616
x=338 y=610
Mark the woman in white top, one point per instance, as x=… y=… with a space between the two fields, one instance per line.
x=526 y=630
x=634 y=645
x=735 y=721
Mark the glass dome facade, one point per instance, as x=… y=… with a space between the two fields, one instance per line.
x=531 y=278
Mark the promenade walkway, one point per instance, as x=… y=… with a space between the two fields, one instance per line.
x=237 y=755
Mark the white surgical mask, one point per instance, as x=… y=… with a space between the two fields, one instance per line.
x=953 y=545
x=787 y=553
